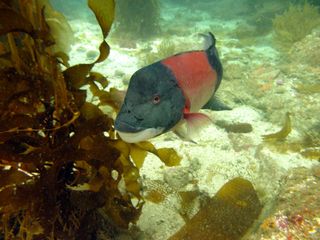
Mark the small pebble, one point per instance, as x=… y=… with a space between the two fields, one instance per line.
x=92 y=54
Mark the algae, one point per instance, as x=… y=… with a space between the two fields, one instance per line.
x=137 y=19
x=295 y=23
x=307 y=146
x=308 y=88
x=282 y=134
x=227 y=215
x=61 y=160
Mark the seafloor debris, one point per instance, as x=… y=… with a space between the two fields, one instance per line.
x=235 y=127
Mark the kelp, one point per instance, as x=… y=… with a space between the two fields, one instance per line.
x=282 y=134
x=308 y=145
x=60 y=29
x=61 y=162
x=227 y=215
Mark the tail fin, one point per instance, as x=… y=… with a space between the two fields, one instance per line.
x=209 y=40
x=213 y=56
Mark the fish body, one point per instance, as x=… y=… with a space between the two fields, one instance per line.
x=167 y=94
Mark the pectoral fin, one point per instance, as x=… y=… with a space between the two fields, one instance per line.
x=192 y=123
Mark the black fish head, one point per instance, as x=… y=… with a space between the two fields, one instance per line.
x=153 y=104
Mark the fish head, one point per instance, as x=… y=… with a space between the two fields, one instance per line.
x=153 y=104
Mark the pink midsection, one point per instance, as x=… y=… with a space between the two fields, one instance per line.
x=195 y=76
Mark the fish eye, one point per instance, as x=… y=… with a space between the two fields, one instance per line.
x=156 y=99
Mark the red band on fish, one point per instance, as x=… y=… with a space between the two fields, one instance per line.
x=195 y=76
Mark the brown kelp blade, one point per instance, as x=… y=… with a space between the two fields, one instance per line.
x=227 y=216
x=104 y=12
x=282 y=134
x=12 y=21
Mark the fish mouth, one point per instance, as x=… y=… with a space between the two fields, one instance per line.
x=133 y=134
x=126 y=127
x=143 y=135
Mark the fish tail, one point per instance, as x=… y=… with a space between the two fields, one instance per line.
x=209 y=40
x=213 y=56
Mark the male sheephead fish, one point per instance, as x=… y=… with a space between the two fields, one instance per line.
x=167 y=94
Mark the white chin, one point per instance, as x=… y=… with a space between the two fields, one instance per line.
x=140 y=136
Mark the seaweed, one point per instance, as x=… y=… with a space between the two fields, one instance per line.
x=60 y=29
x=61 y=161
x=295 y=23
x=227 y=215
x=137 y=19
x=308 y=145
x=282 y=134
x=311 y=153
x=308 y=88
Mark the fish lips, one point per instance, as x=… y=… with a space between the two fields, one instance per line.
x=133 y=134
x=140 y=136
x=122 y=126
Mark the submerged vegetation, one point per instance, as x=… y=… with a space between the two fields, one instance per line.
x=65 y=174
x=283 y=133
x=308 y=145
x=295 y=23
x=137 y=19
x=227 y=215
x=61 y=162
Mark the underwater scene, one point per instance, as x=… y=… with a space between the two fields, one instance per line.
x=160 y=119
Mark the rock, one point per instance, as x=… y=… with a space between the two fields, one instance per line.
x=233 y=71
x=307 y=49
x=177 y=178
x=92 y=54
x=296 y=213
